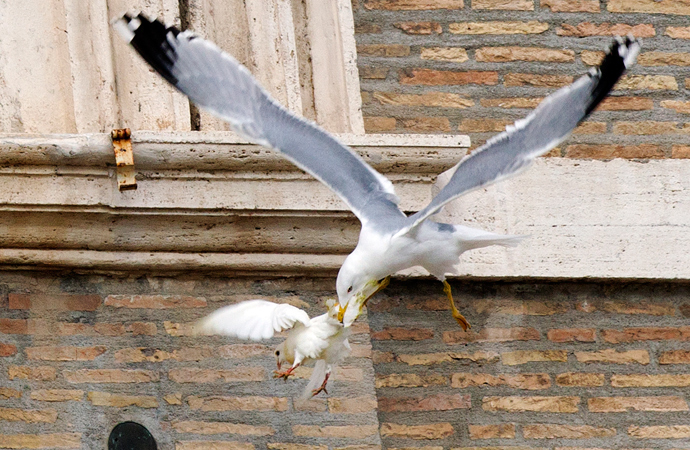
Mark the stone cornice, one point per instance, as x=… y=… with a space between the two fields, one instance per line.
x=214 y=204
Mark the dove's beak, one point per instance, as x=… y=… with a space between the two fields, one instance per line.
x=352 y=309
x=278 y=364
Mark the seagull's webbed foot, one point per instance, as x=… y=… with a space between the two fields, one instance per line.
x=456 y=314
x=322 y=388
x=285 y=373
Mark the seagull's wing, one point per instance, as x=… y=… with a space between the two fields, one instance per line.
x=218 y=83
x=549 y=124
x=253 y=319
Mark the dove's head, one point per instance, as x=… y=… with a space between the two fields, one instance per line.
x=355 y=287
x=283 y=355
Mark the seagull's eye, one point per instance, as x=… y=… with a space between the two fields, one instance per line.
x=349 y=289
x=277 y=352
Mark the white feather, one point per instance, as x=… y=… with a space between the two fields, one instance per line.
x=253 y=319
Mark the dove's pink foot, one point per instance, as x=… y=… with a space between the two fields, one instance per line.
x=322 y=388
x=285 y=373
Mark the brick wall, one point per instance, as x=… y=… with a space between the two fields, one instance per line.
x=560 y=365
x=553 y=366
x=80 y=354
x=473 y=66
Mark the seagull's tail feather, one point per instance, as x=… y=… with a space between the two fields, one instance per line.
x=502 y=240
x=317 y=377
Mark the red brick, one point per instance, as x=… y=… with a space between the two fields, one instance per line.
x=55 y=302
x=625 y=104
x=249 y=403
x=643 y=128
x=497 y=431
x=675 y=357
x=606 y=29
x=625 y=404
x=110 y=376
x=538 y=80
x=420 y=27
x=664 y=59
x=402 y=334
x=389 y=50
x=557 y=431
x=580 y=379
x=34 y=441
x=154 y=301
x=646 y=334
x=142 y=329
x=242 y=351
x=492 y=335
x=198 y=427
x=351 y=405
x=395 y=380
x=367 y=28
x=7 y=349
x=526 y=356
x=141 y=354
x=510 y=5
x=342 y=431
x=531 y=54
x=40 y=373
x=379 y=124
x=67 y=353
x=484 y=125
x=14 y=326
x=610 y=151
x=121 y=400
x=647 y=380
x=439 y=402
x=660 y=432
x=430 y=77
x=412 y=5
x=572 y=335
x=535 y=404
x=28 y=415
x=511 y=102
x=682 y=152
x=419 y=432
x=425 y=359
x=57 y=395
x=591 y=6
x=373 y=73
x=621 y=307
x=427 y=124
x=528 y=381
x=612 y=356
x=680 y=7
x=8 y=393
x=519 y=307
x=213 y=445
x=237 y=374
x=678 y=32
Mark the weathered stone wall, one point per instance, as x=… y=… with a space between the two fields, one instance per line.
x=473 y=66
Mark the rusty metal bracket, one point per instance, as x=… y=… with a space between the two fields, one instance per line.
x=124 y=157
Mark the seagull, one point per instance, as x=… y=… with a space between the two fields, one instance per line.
x=389 y=239
x=322 y=339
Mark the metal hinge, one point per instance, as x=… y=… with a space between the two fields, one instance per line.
x=124 y=157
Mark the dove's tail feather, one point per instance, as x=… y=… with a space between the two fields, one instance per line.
x=317 y=377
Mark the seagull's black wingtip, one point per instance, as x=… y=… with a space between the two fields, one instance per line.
x=150 y=39
x=619 y=57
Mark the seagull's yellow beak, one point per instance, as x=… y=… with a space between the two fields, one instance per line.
x=352 y=309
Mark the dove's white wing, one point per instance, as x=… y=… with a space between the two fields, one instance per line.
x=253 y=319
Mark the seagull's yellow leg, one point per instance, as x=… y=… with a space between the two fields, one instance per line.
x=456 y=314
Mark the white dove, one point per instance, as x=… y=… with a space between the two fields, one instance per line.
x=322 y=338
